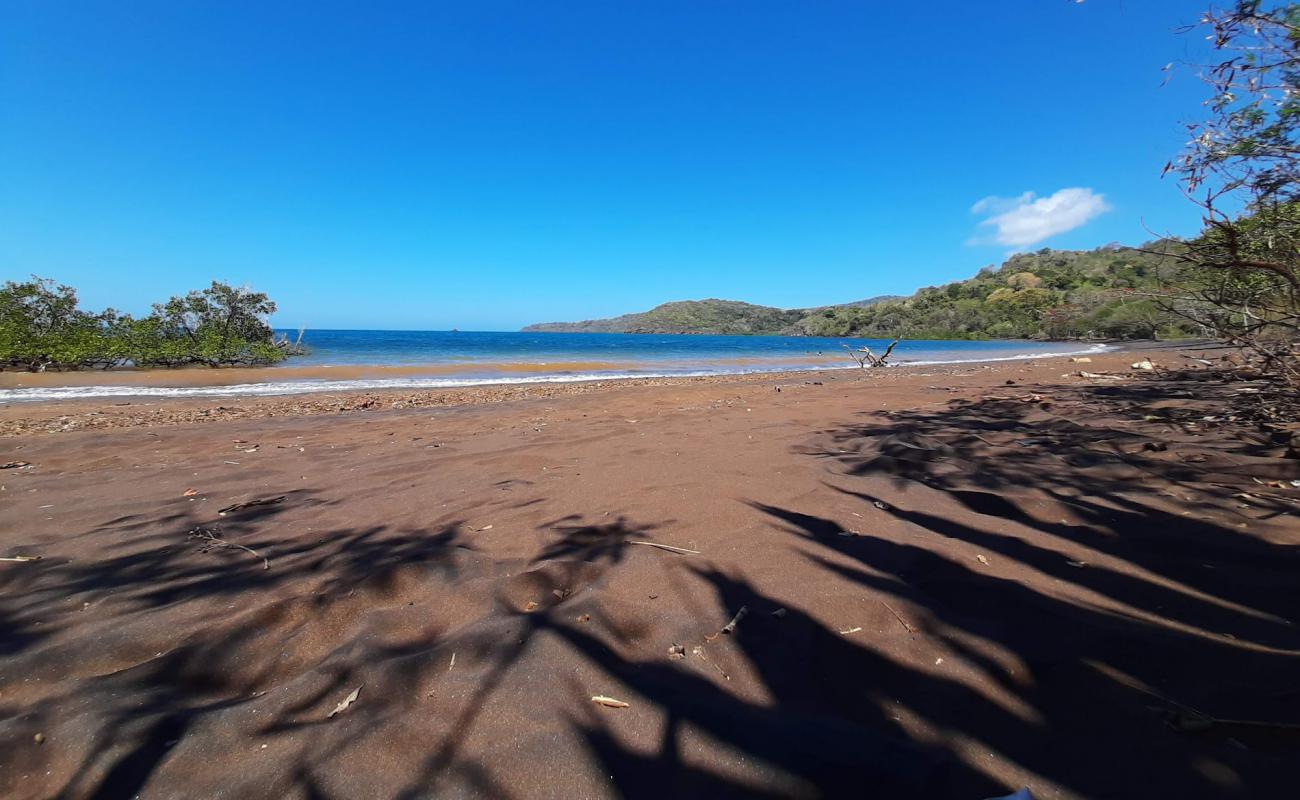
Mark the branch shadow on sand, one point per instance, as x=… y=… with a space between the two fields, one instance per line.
x=1053 y=588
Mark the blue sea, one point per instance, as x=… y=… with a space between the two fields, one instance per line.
x=348 y=359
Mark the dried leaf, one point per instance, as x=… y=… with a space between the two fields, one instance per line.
x=608 y=702
x=347 y=701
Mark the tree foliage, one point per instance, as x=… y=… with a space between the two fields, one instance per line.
x=43 y=327
x=1241 y=277
x=1049 y=294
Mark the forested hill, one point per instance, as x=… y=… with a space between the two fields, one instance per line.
x=698 y=316
x=1048 y=294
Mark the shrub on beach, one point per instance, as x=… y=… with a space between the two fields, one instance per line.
x=42 y=327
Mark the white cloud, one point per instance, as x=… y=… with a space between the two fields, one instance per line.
x=1028 y=219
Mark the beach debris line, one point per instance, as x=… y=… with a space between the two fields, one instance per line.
x=608 y=702
x=730 y=627
x=347 y=701
x=264 y=501
x=209 y=540
x=670 y=548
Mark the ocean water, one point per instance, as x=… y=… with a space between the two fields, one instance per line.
x=341 y=360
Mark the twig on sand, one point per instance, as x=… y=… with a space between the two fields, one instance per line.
x=20 y=558
x=730 y=627
x=210 y=539
x=347 y=701
x=898 y=617
x=265 y=501
x=608 y=702
x=669 y=548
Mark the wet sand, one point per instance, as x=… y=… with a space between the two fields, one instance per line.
x=237 y=376
x=957 y=581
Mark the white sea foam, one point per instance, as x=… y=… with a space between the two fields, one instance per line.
x=275 y=388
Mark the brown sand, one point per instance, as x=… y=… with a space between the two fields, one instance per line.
x=955 y=587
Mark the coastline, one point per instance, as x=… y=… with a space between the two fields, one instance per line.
x=131 y=410
x=281 y=380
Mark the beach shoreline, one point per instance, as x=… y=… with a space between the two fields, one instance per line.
x=115 y=411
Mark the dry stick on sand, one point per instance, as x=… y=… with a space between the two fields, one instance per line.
x=210 y=540
x=266 y=501
x=669 y=548
x=901 y=621
x=20 y=558
x=730 y=627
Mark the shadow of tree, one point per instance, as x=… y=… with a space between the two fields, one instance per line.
x=1048 y=586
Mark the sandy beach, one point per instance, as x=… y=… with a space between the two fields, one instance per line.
x=945 y=581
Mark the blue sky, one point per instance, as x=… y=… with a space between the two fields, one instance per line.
x=484 y=165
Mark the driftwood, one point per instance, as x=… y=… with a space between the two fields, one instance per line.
x=730 y=627
x=865 y=357
x=670 y=548
x=209 y=540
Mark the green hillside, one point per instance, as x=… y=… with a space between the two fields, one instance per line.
x=1048 y=294
x=698 y=316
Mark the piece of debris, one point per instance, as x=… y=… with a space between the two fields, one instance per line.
x=850 y=630
x=699 y=651
x=209 y=540
x=1155 y=447
x=670 y=548
x=1145 y=365
x=531 y=605
x=453 y=662
x=347 y=701
x=39 y=738
x=980 y=558
x=584 y=618
x=15 y=464
x=1078 y=564
x=898 y=617
x=676 y=651
x=20 y=558
x=880 y=504
x=1082 y=360
x=484 y=528
x=561 y=593
x=265 y=501
x=189 y=492
x=608 y=702
x=779 y=613
x=730 y=627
